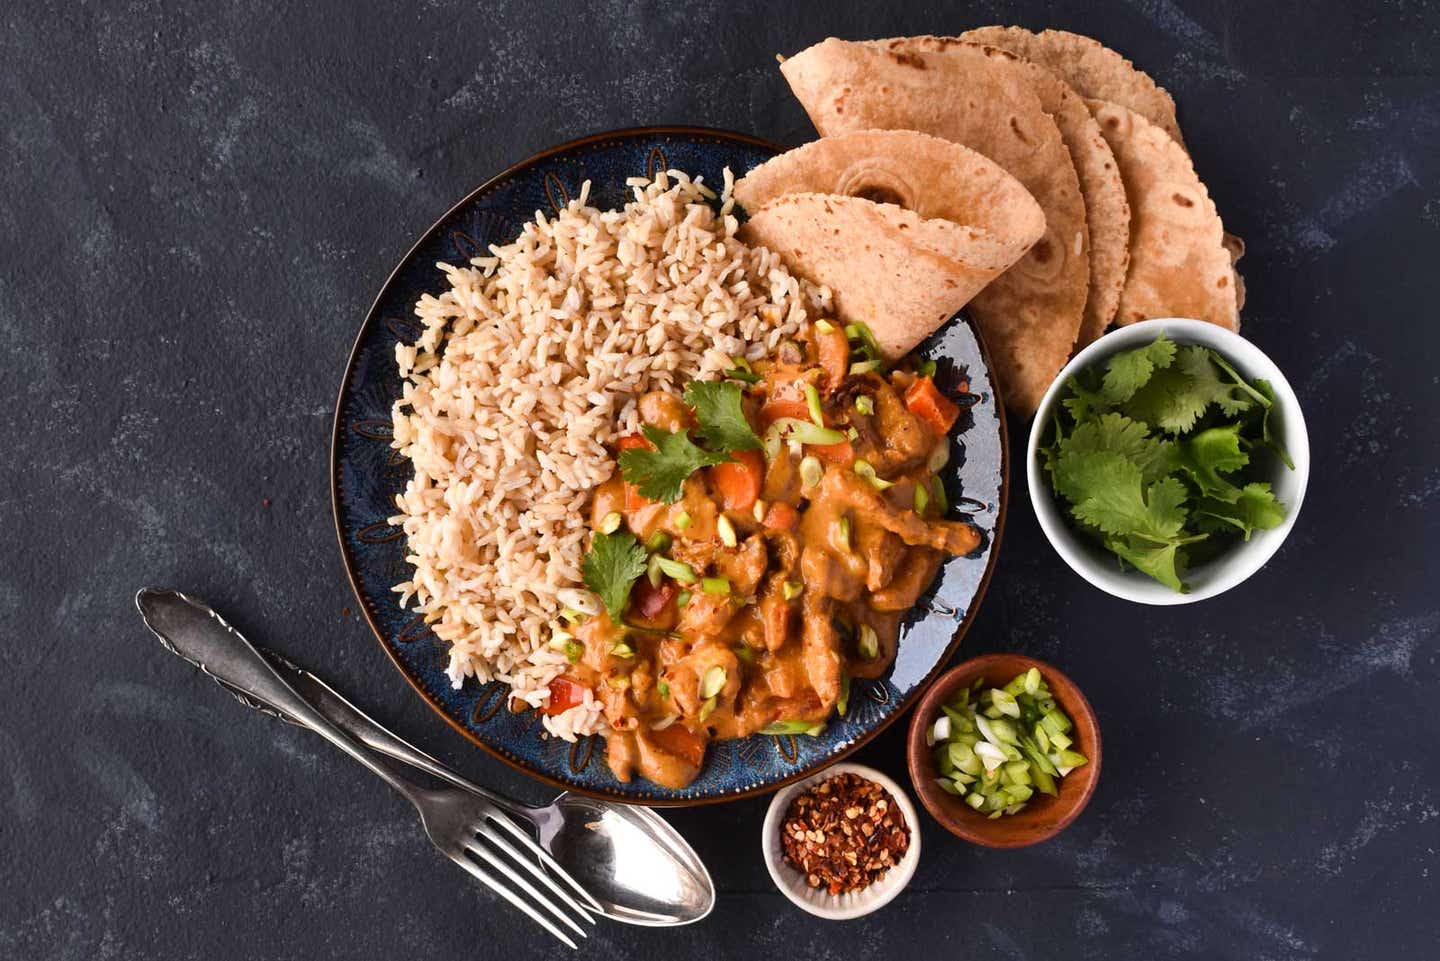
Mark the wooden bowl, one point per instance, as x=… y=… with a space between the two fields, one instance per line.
x=1044 y=816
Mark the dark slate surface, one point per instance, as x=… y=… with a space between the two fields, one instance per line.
x=196 y=207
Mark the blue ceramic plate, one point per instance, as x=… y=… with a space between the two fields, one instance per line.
x=366 y=474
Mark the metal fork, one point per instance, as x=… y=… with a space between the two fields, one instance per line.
x=467 y=829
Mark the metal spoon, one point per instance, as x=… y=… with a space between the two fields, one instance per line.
x=639 y=868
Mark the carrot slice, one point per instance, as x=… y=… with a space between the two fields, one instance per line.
x=738 y=482
x=924 y=400
x=780 y=516
x=776 y=409
x=564 y=694
x=841 y=453
x=833 y=349
x=679 y=740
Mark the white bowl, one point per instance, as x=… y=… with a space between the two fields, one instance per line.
x=1239 y=561
x=838 y=907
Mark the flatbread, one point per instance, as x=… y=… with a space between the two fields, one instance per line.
x=886 y=266
x=1094 y=70
x=975 y=97
x=935 y=178
x=1107 y=215
x=1179 y=263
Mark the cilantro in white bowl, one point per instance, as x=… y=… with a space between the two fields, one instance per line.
x=1168 y=461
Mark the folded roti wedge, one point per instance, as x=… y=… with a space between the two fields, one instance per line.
x=1180 y=265
x=1094 y=70
x=885 y=266
x=1031 y=314
x=936 y=179
x=1107 y=214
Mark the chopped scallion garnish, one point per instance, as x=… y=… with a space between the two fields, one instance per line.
x=679 y=570
x=810 y=728
x=866 y=470
x=869 y=642
x=715 y=585
x=610 y=523
x=996 y=747
x=658 y=541
x=865 y=404
x=792 y=590
x=713 y=682
x=942 y=503
x=922 y=499
x=812 y=402
x=864 y=367
x=793 y=429
x=811 y=471
x=682 y=521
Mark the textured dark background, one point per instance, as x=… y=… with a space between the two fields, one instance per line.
x=196 y=207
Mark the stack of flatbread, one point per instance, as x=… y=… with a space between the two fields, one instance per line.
x=1038 y=178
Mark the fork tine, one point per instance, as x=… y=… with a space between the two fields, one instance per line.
x=500 y=889
x=498 y=864
x=496 y=838
x=550 y=863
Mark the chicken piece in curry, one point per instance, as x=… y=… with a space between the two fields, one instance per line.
x=772 y=576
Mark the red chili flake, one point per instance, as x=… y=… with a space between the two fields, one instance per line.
x=844 y=833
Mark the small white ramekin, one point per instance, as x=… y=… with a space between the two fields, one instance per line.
x=1099 y=566
x=838 y=907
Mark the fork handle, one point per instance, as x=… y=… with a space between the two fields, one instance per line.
x=365 y=729
x=200 y=636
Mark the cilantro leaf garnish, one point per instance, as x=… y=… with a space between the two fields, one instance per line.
x=1209 y=453
x=1159 y=451
x=1155 y=456
x=1161 y=562
x=611 y=566
x=1254 y=508
x=1266 y=437
x=1084 y=400
x=721 y=416
x=1173 y=399
x=1130 y=370
x=660 y=474
x=1108 y=492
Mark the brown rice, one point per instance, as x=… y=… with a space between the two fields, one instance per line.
x=529 y=365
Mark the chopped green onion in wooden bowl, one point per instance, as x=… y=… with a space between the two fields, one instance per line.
x=996 y=747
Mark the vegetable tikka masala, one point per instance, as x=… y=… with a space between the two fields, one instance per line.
x=757 y=549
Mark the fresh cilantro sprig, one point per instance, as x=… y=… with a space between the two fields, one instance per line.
x=612 y=566
x=1152 y=453
x=720 y=413
x=659 y=472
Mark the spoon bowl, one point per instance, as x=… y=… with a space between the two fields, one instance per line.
x=628 y=858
